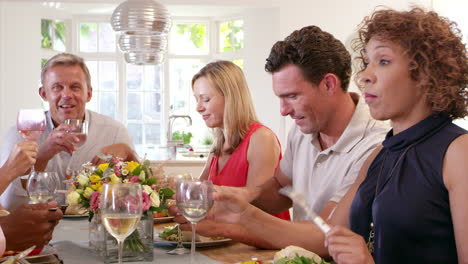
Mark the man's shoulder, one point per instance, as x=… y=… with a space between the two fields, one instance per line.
x=103 y=120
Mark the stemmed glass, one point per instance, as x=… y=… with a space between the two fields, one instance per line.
x=78 y=128
x=31 y=123
x=121 y=207
x=41 y=186
x=194 y=199
x=172 y=181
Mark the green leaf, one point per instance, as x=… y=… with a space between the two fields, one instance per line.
x=166 y=192
x=103 y=156
x=137 y=170
x=151 y=181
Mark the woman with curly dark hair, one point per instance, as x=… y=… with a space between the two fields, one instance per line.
x=409 y=205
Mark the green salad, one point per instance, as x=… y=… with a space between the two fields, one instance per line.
x=299 y=260
x=170 y=233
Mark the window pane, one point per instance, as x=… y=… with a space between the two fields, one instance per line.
x=224 y=36
x=60 y=36
x=231 y=35
x=152 y=80
x=237 y=34
x=107 y=75
x=106 y=38
x=88 y=37
x=152 y=106
x=107 y=104
x=134 y=77
x=136 y=133
x=239 y=62
x=134 y=106
x=180 y=84
x=188 y=39
x=46 y=33
x=153 y=134
x=92 y=67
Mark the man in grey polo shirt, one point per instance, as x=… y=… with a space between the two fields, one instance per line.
x=332 y=137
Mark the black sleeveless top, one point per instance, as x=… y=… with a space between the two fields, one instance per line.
x=411 y=211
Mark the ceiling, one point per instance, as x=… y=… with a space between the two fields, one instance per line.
x=176 y=7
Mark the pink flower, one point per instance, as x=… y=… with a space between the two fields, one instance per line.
x=115 y=160
x=134 y=179
x=117 y=171
x=146 y=202
x=94 y=203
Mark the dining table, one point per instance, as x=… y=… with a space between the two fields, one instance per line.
x=70 y=239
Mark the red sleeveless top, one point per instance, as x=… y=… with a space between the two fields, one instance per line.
x=235 y=171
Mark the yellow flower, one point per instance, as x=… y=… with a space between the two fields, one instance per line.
x=115 y=179
x=97 y=186
x=94 y=178
x=73 y=198
x=88 y=192
x=131 y=165
x=103 y=166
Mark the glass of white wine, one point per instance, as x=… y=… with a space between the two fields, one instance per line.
x=194 y=200
x=41 y=186
x=172 y=180
x=121 y=208
x=78 y=128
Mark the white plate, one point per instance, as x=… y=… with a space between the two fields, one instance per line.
x=204 y=241
x=159 y=220
x=46 y=251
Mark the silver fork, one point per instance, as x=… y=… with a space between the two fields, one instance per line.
x=299 y=199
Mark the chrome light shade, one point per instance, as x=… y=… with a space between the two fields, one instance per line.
x=143 y=27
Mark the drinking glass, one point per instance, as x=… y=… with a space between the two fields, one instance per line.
x=31 y=123
x=172 y=180
x=121 y=207
x=194 y=199
x=78 y=128
x=41 y=186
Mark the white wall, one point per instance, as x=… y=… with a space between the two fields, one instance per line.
x=20 y=60
x=261 y=33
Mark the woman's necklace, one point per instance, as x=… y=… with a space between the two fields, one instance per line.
x=370 y=241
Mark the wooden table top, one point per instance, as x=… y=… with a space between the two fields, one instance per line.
x=233 y=252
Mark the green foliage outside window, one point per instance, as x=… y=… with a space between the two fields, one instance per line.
x=53 y=34
x=85 y=28
x=197 y=33
x=232 y=35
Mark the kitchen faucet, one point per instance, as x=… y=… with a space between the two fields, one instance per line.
x=173 y=144
x=172 y=118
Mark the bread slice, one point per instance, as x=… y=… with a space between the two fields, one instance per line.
x=291 y=252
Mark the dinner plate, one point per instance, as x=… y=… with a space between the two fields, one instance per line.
x=46 y=251
x=159 y=220
x=204 y=241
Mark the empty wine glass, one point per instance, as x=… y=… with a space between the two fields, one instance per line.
x=194 y=199
x=172 y=180
x=121 y=207
x=78 y=128
x=41 y=186
x=31 y=123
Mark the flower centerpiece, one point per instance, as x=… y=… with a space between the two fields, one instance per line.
x=87 y=187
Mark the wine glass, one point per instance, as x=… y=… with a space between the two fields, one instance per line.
x=41 y=186
x=172 y=180
x=194 y=199
x=78 y=128
x=121 y=205
x=31 y=123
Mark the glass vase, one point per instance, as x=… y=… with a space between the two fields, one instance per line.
x=138 y=246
